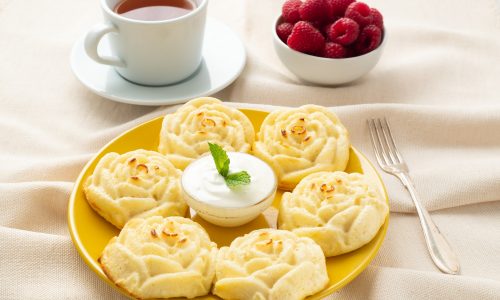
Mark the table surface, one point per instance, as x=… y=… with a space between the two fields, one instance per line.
x=437 y=82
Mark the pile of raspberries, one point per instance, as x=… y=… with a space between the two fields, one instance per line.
x=330 y=28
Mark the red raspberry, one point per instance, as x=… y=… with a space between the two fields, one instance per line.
x=344 y=31
x=283 y=30
x=333 y=50
x=368 y=40
x=359 y=12
x=314 y=10
x=326 y=27
x=377 y=18
x=290 y=11
x=305 y=38
x=337 y=7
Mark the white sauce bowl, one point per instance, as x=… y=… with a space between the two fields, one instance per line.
x=205 y=190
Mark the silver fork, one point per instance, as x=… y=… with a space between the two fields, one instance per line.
x=391 y=161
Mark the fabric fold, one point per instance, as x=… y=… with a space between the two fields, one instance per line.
x=436 y=83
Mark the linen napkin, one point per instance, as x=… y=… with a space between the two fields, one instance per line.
x=436 y=83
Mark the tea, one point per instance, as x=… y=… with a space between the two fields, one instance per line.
x=154 y=10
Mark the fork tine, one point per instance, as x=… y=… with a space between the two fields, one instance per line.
x=392 y=143
x=382 y=141
x=390 y=149
x=376 y=143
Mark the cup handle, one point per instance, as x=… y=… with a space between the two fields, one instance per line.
x=92 y=40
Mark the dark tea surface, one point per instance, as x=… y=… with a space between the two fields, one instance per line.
x=154 y=10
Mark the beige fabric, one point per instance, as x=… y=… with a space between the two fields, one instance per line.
x=441 y=64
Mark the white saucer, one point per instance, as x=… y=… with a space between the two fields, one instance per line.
x=223 y=60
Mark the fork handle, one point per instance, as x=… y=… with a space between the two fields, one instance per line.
x=439 y=249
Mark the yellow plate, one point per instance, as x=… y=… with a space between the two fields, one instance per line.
x=91 y=233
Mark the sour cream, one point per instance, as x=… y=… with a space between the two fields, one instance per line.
x=206 y=191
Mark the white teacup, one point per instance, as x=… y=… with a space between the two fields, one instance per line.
x=150 y=52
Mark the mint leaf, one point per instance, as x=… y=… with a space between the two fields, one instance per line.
x=225 y=168
x=220 y=159
x=236 y=179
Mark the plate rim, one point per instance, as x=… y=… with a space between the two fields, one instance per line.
x=321 y=294
x=157 y=102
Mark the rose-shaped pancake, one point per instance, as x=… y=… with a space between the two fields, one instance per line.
x=139 y=183
x=300 y=141
x=185 y=134
x=161 y=258
x=270 y=264
x=339 y=211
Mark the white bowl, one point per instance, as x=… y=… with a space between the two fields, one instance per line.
x=223 y=213
x=326 y=71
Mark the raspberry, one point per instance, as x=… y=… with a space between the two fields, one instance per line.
x=359 y=12
x=333 y=50
x=314 y=10
x=305 y=38
x=337 y=7
x=283 y=30
x=290 y=11
x=369 y=39
x=344 y=31
x=377 y=18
